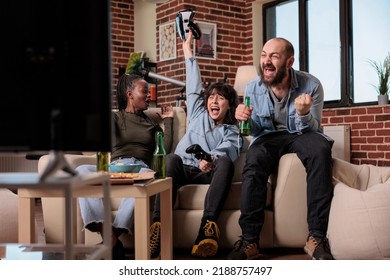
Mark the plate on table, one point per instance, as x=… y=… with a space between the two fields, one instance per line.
x=130 y=178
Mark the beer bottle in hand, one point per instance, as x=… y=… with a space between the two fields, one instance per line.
x=245 y=126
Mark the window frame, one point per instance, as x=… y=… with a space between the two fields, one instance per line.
x=346 y=49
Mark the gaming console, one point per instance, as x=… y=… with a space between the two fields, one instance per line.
x=199 y=152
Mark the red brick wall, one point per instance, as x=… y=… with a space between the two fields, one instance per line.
x=234 y=48
x=122 y=16
x=234 y=25
x=370 y=132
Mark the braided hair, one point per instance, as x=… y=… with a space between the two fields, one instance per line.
x=125 y=82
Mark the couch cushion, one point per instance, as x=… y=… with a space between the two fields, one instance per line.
x=361 y=176
x=191 y=197
x=179 y=123
x=359 y=225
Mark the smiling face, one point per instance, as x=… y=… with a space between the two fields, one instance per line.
x=138 y=98
x=217 y=106
x=275 y=61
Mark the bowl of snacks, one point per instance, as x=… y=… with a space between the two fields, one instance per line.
x=125 y=167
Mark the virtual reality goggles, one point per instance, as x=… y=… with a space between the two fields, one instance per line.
x=184 y=24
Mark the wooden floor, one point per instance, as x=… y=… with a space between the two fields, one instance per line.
x=267 y=254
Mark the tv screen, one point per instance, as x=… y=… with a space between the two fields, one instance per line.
x=56 y=76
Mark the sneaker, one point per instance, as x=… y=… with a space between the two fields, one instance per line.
x=154 y=245
x=317 y=247
x=206 y=244
x=244 y=250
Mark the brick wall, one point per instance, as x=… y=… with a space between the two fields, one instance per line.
x=122 y=16
x=234 y=25
x=234 y=48
x=370 y=132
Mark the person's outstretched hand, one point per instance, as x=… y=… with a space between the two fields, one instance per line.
x=166 y=111
x=187 y=49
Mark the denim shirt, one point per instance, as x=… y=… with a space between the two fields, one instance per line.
x=218 y=140
x=263 y=109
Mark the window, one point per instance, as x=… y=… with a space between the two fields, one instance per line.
x=333 y=40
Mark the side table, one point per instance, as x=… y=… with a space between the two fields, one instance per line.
x=140 y=191
x=30 y=187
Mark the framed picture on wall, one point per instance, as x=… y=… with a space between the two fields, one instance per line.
x=167 y=33
x=206 y=46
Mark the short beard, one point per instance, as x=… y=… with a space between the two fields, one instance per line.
x=280 y=75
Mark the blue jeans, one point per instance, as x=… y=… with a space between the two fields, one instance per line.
x=262 y=158
x=92 y=209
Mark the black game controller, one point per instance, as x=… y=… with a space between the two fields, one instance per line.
x=199 y=152
x=184 y=24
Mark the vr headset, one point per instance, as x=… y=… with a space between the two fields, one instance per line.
x=184 y=24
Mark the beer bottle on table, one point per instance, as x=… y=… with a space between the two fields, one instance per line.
x=159 y=157
x=103 y=161
x=245 y=126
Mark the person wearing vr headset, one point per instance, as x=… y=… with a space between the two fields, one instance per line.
x=213 y=127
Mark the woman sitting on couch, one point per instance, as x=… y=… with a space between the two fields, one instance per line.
x=211 y=125
x=134 y=142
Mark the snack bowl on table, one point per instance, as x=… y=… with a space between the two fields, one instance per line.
x=125 y=167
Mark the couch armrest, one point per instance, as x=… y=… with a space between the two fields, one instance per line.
x=72 y=159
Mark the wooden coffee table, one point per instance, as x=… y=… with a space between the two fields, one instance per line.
x=140 y=191
x=30 y=186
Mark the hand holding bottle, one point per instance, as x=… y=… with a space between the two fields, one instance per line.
x=243 y=112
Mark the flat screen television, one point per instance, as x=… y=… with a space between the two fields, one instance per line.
x=56 y=76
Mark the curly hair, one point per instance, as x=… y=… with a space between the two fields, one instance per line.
x=229 y=93
x=125 y=82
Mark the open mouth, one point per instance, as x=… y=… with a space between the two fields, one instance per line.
x=214 y=110
x=268 y=70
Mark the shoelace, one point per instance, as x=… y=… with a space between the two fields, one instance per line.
x=243 y=245
x=154 y=236
x=211 y=229
x=239 y=243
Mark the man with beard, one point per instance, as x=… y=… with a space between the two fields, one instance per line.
x=285 y=113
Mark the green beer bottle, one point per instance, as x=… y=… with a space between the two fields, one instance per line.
x=103 y=161
x=245 y=126
x=159 y=157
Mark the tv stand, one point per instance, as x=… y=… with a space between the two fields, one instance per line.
x=57 y=162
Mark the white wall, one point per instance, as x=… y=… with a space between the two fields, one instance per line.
x=145 y=28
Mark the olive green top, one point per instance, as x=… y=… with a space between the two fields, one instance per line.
x=135 y=136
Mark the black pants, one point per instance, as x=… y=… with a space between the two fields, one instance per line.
x=220 y=180
x=262 y=158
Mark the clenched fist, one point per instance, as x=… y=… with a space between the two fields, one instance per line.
x=303 y=103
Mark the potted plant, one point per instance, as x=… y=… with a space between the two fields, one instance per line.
x=383 y=72
x=135 y=63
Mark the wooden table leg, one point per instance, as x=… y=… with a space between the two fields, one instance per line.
x=141 y=228
x=26 y=220
x=166 y=225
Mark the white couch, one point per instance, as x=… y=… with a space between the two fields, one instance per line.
x=285 y=216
